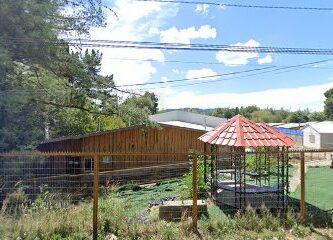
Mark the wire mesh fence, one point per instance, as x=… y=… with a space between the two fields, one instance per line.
x=145 y=187
x=318 y=190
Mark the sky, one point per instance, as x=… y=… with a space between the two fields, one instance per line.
x=293 y=88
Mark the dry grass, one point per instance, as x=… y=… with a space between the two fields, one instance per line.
x=119 y=217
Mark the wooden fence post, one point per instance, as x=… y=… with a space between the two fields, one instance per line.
x=95 y=195
x=303 y=208
x=195 y=192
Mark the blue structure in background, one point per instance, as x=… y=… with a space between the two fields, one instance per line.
x=290 y=131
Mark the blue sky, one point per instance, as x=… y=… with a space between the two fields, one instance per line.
x=166 y=22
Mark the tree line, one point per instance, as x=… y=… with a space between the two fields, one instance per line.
x=270 y=115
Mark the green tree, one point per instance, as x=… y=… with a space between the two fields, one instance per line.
x=262 y=116
x=328 y=107
x=317 y=116
x=192 y=110
x=298 y=117
x=43 y=84
x=135 y=110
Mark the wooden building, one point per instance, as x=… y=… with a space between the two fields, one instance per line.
x=177 y=132
x=139 y=139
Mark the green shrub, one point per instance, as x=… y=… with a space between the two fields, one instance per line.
x=301 y=231
x=15 y=203
x=46 y=200
x=290 y=219
x=186 y=189
x=252 y=221
x=168 y=231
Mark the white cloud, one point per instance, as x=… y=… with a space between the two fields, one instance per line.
x=202 y=8
x=267 y=59
x=175 y=35
x=138 y=21
x=241 y=58
x=288 y=98
x=203 y=72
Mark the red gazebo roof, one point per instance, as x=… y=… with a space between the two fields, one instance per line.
x=241 y=132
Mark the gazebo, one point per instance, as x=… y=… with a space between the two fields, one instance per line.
x=250 y=164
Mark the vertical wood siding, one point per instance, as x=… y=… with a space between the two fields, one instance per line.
x=165 y=139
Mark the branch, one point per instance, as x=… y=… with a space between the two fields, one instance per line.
x=77 y=107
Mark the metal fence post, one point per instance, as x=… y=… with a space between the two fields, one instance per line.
x=95 y=196
x=195 y=192
x=303 y=208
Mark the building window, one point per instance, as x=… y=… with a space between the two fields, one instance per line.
x=312 y=138
x=88 y=165
x=107 y=159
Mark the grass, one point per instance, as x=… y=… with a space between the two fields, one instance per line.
x=318 y=187
x=141 y=198
x=120 y=214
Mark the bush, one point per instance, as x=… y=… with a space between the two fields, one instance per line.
x=46 y=200
x=186 y=188
x=15 y=203
x=252 y=221
x=301 y=231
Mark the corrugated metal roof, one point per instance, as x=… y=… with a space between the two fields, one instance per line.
x=288 y=125
x=187 y=117
x=292 y=125
x=241 y=132
x=322 y=127
x=187 y=125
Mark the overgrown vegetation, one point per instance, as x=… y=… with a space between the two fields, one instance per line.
x=186 y=188
x=124 y=213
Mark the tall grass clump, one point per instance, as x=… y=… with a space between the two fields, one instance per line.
x=250 y=224
x=49 y=216
x=15 y=203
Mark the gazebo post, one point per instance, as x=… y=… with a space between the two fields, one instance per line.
x=216 y=166
x=256 y=162
x=265 y=168
x=211 y=172
x=282 y=177
x=195 y=192
x=278 y=177
x=205 y=163
x=287 y=182
x=260 y=169
x=233 y=160
x=243 y=159
x=269 y=166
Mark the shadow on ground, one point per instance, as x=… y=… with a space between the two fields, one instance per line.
x=315 y=216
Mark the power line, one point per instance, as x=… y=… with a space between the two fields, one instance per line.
x=194 y=78
x=205 y=62
x=273 y=69
x=241 y=5
x=152 y=83
x=236 y=77
x=177 y=46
